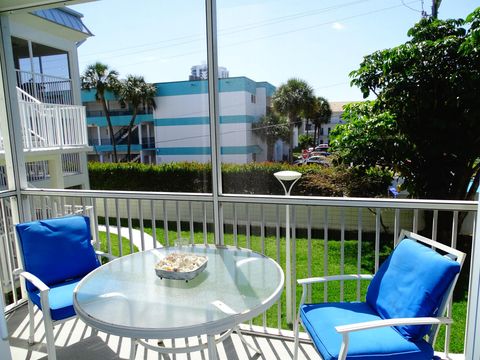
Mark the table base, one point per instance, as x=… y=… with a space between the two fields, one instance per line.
x=210 y=345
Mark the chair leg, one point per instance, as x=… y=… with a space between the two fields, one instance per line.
x=297 y=340
x=31 y=323
x=50 y=339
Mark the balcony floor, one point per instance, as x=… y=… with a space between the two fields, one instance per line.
x=75 y=340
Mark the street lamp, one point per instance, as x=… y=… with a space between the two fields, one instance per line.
x=288 y=177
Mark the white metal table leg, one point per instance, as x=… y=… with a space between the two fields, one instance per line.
x=212 y=348
x=133 y=348
x=242 y=338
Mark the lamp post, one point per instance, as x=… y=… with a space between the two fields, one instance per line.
x=288 y=177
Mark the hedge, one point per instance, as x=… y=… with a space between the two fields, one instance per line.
x=252 y=178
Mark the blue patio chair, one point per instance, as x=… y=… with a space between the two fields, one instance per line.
x=405 y=302
x=56 y=255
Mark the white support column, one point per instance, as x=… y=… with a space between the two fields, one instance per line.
x=140 y=142
x=472 y=336
x=213 y=106
x=56 y=172
x=10 y=124
x=99 y=134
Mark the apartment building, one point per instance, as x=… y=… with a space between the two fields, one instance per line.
x=178 y=129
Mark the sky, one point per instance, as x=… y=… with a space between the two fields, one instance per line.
x=319 y=41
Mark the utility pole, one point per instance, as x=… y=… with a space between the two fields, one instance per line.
x=435 y=6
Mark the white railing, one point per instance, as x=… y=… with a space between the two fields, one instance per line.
x=354 y=229
x=71 y=164
x=46 y=88
x=51 y=125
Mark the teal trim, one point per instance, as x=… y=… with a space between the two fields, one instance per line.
x=121 y=120
x=270 y=89
x=184 y=151
x=201 y=86
x=225 y=150
x=204 y=120
x=89 y=96
x=177 y=88
x=109 y=148
x=199 y=120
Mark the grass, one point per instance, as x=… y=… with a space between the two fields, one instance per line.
x=115 y=244
x=268 y=246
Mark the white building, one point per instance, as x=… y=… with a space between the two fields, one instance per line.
x=200 y=72
x=41 y=56
x=336 y=119
x=178 y=130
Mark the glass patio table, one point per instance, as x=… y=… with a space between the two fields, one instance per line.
x=125 y=297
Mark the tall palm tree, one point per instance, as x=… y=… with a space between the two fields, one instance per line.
x=293 y=99
x=101 y=78
x=270 y=128
x=134 y=92
x=322 y=113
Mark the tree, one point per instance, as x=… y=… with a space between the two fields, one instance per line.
x=293 y=100
x=135 y=92
x=322 y=113
x=427 y=103
x=102 y=79
x=271 y=128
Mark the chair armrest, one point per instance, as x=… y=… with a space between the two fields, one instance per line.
x=104 y=254
x=35 y=281
x=342 y=329
x=323 y=279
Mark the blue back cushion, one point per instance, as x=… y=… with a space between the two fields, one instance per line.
x=411 y=283
x=56 y=250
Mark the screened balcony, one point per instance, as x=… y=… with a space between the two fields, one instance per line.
x=329 y=235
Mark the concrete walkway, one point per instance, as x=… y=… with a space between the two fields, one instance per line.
x=148 y=242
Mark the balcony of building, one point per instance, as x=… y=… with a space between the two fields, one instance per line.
x=329 y=236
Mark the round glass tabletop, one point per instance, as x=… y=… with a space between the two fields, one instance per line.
x=125 y=296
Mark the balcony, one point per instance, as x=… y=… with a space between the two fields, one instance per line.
x=50 y=126
x=329 y=235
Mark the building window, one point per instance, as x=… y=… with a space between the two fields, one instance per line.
x=253 y=99
x=321 y=131
x=329 y=129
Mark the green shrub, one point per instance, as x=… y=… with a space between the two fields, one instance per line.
x=252 y=178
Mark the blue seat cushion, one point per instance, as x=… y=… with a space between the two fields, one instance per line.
x=60 y=298
x=411 y=283
x=382 y=343
x=56 y=250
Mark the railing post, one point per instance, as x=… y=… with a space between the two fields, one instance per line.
x=472 y=345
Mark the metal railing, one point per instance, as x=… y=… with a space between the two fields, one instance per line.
x=51 y=125
x=329 y=235
x=46 y=88
x=71 y=164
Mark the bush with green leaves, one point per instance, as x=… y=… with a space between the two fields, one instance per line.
x=252 y=178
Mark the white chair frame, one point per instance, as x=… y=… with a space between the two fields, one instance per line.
x=345 y=330
x=48 y=322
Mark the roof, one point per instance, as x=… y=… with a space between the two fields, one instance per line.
x=64 y=17
x=337 y=106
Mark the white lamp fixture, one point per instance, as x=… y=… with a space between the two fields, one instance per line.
x=292 y=177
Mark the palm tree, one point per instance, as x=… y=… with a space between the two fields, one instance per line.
x=270 y=128
x=322 y=113
x=135 y=92
x=100 y=77
x=293 y=99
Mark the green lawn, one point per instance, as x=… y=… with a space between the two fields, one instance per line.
x=269 y=247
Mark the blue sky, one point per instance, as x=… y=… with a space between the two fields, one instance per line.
x=319 y=41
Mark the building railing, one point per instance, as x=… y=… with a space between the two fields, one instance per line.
x=46 y=88
x=355 y=229
x=51 y=125
x=71 y=164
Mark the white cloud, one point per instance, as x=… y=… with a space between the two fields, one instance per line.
x=338 y=26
